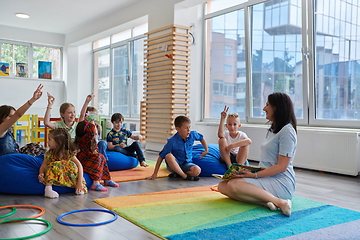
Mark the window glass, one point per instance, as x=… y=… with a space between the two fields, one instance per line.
x=121 y=81
x=139 y=30
x=13 y=55
x=225 y=64
x=121 y=36
x=137 y=76
x=274 y=57
x=47 y=54
x=337 y=60
x=102 y=81
x=101 y=43
x=217 y=5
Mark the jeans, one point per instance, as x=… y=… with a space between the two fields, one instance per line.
x=133 y=150
x=102 y=145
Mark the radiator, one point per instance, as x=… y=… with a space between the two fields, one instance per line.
x=324 y=149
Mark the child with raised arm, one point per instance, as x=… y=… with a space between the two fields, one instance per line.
x=117 y=140
x=93 y=162
x=177 y=152
x=233 y=144
x=60 y=166
x=102 y=145
x=8 y=116
x=68 y=115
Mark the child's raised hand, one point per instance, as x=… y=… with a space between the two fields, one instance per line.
x=90 y=97
x=51 y=99
x=41 y=177
x=224 y=113
x=38 y=92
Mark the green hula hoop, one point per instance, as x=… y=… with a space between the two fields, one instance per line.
x=9 y=214
x=28 y=219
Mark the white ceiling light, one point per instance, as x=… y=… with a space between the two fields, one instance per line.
x=22 y=15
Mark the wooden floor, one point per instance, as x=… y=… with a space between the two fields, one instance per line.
x=339 y=190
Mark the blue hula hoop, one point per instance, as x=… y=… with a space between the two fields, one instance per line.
x=88 y=224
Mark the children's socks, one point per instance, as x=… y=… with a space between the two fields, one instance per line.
x=110 y=183
x=50 y=193
x=98 y=187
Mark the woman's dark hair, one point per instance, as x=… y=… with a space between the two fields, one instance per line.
x=5 y=111
x=63 y=142
x=283 y=111
x=80 y=132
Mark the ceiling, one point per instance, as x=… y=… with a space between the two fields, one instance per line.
x=54 y=16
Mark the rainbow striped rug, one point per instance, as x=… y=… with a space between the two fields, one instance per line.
x=199 y=213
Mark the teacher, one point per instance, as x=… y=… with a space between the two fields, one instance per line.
x=274 y=186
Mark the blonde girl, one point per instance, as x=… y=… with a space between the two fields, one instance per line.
x=68 y=115
x=60 y=166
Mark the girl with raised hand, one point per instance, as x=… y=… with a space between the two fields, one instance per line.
x=93 y=162
x=8 y=116
x=68 y=115
x=60 y=166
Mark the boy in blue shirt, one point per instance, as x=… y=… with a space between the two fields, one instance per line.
x=117 y=140
x=177 y=152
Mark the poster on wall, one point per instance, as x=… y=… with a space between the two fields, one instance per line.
x=44 y=70
x=21 y=70
x=4 y=69
x=132 y=127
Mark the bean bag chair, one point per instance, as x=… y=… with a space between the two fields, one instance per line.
x=118 y=161
x=209 y=164
x=19 y=175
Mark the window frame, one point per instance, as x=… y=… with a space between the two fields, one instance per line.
x=128 y=42
x=30 y=59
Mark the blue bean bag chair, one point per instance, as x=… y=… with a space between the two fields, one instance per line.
x=118 y=161
x=209 y=164
x=19 y=175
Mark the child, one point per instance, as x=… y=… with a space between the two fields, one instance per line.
x=102 y=145
x=93 y=162
x=67 y=113
x=233 y=144
x=117 y=140
x=60 y=166
x=177 y=152
x=8 y=116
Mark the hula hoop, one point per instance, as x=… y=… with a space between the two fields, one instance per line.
x=89 y=224
x=28 y=219
x=9 y=214
x=42 y=211
x=214 y=188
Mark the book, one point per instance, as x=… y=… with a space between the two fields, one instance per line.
x=235 y=168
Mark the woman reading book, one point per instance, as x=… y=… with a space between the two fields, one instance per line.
x=274 y=186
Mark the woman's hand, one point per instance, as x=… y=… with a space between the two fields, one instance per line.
x=243 y=174
x=41 y=177
x=51 y=100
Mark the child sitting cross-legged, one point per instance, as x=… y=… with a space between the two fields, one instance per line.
x=177 y=152
x=117 y=140
x=60 y=166
x=233 y=144
x=93 y=162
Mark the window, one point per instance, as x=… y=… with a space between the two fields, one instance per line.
x=21 y=64
x=225 y=57
x=278 y=57
x=121 y=87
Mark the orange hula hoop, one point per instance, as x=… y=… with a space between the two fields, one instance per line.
x=42 y=211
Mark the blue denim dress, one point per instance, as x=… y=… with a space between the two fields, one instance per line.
x=8 y=144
